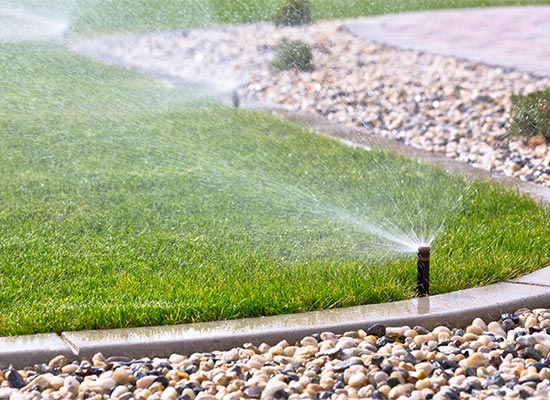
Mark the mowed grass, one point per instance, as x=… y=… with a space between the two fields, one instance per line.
x=125 y=203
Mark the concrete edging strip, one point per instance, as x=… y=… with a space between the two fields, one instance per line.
x=28 y=350
x=451 y=309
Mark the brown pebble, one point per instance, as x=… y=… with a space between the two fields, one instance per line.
x=145 y=382
x=535 y=141
x=58 y=362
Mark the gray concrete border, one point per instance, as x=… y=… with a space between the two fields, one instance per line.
x=451 y=309
x=28 y=350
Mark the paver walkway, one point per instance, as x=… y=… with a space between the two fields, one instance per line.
x=516 y=37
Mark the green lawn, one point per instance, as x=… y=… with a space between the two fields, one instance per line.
x=126 y=203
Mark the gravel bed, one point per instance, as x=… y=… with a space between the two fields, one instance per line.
x=508 y=358
x=438 y=103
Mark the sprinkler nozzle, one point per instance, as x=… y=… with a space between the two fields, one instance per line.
x=423 y=274
x=235 y=100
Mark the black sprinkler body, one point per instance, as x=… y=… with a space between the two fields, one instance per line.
x=423 y=274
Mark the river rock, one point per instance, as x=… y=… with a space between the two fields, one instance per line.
x=275 y=389
x=474 y=361
x=58 y=362
x=378 y=330
x=14 y=378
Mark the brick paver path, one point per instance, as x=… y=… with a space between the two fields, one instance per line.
x=516 y=37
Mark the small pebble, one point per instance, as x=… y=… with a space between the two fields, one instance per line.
x=357 y=380
x=376 y=330
x=58 y=362
x=275 y=389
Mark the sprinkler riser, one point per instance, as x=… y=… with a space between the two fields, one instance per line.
x=423 y=272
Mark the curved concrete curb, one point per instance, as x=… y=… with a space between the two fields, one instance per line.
x=451 y=309
x=22 y=351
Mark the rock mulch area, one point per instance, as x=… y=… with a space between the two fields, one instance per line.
x=451 y=107
x=508 y=358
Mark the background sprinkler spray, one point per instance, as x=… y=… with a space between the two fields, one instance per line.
x=423 y=273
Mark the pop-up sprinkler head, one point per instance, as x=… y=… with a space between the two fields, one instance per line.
x=423 y=275
x=235 y=100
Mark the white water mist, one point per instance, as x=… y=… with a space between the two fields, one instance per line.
x=24 y=23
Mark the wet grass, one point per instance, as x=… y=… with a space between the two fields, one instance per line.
x=126 y=203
